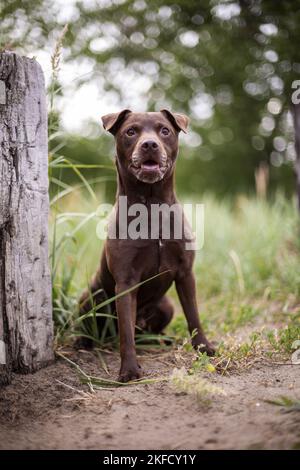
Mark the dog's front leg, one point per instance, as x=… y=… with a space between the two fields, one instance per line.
x=126 y=311
x=186 y=289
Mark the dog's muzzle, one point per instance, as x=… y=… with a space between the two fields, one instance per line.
x=149 y=168
x=149 y=161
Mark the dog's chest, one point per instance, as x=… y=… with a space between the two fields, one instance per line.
x=165 y=255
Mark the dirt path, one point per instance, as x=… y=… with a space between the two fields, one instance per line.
x=37 y=412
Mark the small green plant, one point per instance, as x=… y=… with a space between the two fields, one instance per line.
x=237 y=356
x=202 y=362
x=286 y=403
x=282 y=340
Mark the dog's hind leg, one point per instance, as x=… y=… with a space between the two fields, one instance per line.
x=156 y=317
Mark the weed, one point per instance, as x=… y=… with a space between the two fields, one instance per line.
x=234 y=356
x=202 y=362
x=282 y=339
x=288 y=404
x=194 y=384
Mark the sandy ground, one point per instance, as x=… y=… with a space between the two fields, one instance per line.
x=38 y=412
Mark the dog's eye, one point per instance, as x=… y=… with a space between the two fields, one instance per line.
x=165 y=131
x=130 y=132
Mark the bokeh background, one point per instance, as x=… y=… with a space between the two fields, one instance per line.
x=229 y=65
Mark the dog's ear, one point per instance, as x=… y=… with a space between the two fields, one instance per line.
x=112 y=122
x=179 y=121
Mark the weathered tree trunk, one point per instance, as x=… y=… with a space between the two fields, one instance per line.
x=26 y=329
x=296 y=116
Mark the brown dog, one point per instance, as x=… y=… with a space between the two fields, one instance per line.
x=147 y=147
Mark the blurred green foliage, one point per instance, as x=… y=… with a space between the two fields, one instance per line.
x=228 y=64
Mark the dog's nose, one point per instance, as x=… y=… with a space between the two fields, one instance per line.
x=149 y=145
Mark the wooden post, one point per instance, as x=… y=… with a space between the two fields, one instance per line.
x=26 y=329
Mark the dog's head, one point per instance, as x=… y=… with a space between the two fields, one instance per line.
x=147 y=143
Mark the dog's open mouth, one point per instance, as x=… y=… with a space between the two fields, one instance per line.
x=150 y=165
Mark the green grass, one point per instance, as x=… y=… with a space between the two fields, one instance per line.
x=265 y=240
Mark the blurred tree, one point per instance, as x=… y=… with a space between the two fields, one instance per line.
x=228 y=64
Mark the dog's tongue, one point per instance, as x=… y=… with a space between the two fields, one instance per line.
x=150 y=165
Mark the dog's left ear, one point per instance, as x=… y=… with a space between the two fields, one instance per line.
x=112 y=122
x=179 y=121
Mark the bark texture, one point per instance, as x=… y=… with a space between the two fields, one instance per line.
x=26 y=329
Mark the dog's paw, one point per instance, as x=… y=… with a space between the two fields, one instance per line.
x=204 y=346
x=130 y=373
x=209 y=349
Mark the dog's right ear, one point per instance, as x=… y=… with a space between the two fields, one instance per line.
x=112 y=122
